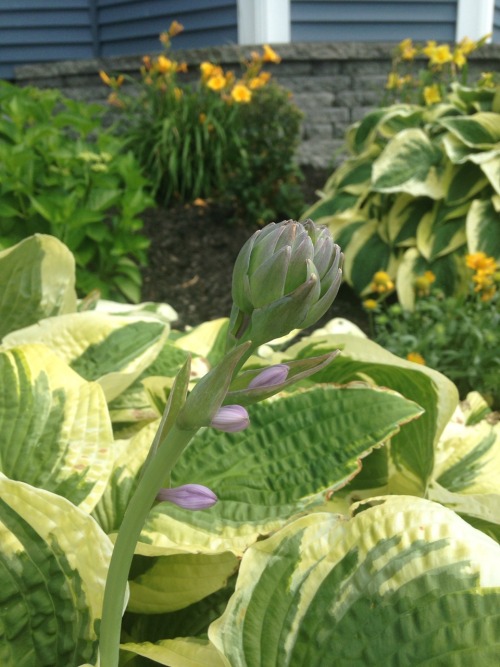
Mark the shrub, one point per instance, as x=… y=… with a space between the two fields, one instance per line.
x=225 y=136
x=457 y=335
x=420 y=189
x=60 y=174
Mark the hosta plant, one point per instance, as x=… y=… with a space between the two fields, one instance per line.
x=355 y=504
x=419 y=190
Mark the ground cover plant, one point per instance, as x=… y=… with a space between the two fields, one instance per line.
x=61 y=174
x=199 y=135
x=357 y=503
x=420 y=188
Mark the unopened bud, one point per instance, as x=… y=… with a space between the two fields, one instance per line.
x=189 y=496
x=270 y=377
x=230 y=419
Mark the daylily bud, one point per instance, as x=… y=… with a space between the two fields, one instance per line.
x=189 y=496
x=270 y=377
x=231 y=418
x=285 y=277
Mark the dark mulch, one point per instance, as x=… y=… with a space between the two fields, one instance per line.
x=191 y=257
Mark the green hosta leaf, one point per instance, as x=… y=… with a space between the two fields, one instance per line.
x=412 y=450
x=297 y=450
x=55 y=431
x=492 y=170
x=174 y=582
x=438 y=234
x=459 y=152
x=481 y=130
x=483 y=229
x=404 y=217
x=54 y=565
x=112 y=349
x=332 y=204
x=404 y=582
x=466 y=182
x=409 y=163
x=37 y=280
x=368 y=252
x=180 y=652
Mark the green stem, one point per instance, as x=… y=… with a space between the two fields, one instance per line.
x=135 y=516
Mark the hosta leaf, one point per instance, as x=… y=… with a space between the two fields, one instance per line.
x=112 y=349
x=404 y=217
x=480 y=130
x=54 y=565
x=180 y=652
x=55 y=431
x=405 y=582
x=37 y=280
x=409 y=164
x=367 y=254
x=483 y=228
x=492 y=170
x=298 y=449
x=438 y=236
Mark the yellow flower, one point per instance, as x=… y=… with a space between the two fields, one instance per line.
x=259 y=81
x=416 y=358
x=147 y=62
x=240 y=93
x=382 y=282
x=459 y=58
x=216 y=82
x=182 y=67
x=488 y=294
x=164 y=65
x=270 y=56
x=164 y=38
x=441 y=55
x=479 y=261
x=429 y=48
x=175 y=28
x=423 y=283
x=467 y=46
x=432 y=94
x=178 y=93
x=115 y=101
x=393 y=81
x=407 y=50
x=208 y=70
x=105 y=78
x=370 y=304
x=487 y=80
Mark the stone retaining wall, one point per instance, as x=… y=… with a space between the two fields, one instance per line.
x=335 y=84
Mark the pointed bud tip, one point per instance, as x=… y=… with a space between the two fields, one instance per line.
x=231 y=419
x=270 y=377
x=189 y=496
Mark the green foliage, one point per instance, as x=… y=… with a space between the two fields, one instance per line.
x=420 y=189
x=60 y=174
x=223 y=137
x=341 y=509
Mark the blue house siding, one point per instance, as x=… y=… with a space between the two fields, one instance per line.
x=129 y=27
x=496 y=23
x=41 y=31
x=373 y=20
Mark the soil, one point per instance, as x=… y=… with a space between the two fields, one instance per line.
x=191 y=257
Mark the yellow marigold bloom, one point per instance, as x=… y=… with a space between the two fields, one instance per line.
x=407 y=50
x=240 y=93
x=370 y=304
x=416 y=357
x=175 y=28
x=270 y=56
x=104 y=77
x=164 y=65
x=466 y=45
x=479 y=261
x=459 y=58
x=216 y=82
x=441 y=55
x=382 y=282
x=432 y=94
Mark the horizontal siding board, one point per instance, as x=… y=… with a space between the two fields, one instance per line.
x=368 y=32
x=193 y=41
x=48 y=36
x=379 y=12
x=23 y=20
x=135 y=9
x=41 y=5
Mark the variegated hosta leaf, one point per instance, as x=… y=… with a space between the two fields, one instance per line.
x=492 y=170
x=441 y=231
x=38 y=280
x=412 y=450
x=480 y=130
x=55 y=431
x=483 y=229
x=405 y=582
x=409 y=163
x=110 y=349
x=297 y=450
x=404 y=217
x=368 y=252
x=54 y=562
x=179 y=652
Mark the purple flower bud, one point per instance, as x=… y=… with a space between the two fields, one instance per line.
x=189 y=496
x=231 y=418
x=270 y=377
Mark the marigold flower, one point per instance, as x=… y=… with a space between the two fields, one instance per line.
x=230 y=419
x=432 y=94
x=416 y=358
x=189 y=496
x=407 y=50
x=241 y=93
x=381 y=283
x=270 y=56
x=216 y=82
x=175 y=28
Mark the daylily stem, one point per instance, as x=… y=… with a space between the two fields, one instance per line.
x=135 y=516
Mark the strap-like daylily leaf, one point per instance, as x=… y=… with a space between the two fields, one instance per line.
x=55 y=431
x=405 y=582
x=298 y=449
x=111 y=349
x=37 y=276
x=54 y=563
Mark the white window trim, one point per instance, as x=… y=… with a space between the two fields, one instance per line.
x=264 y=21
x=474 y=18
